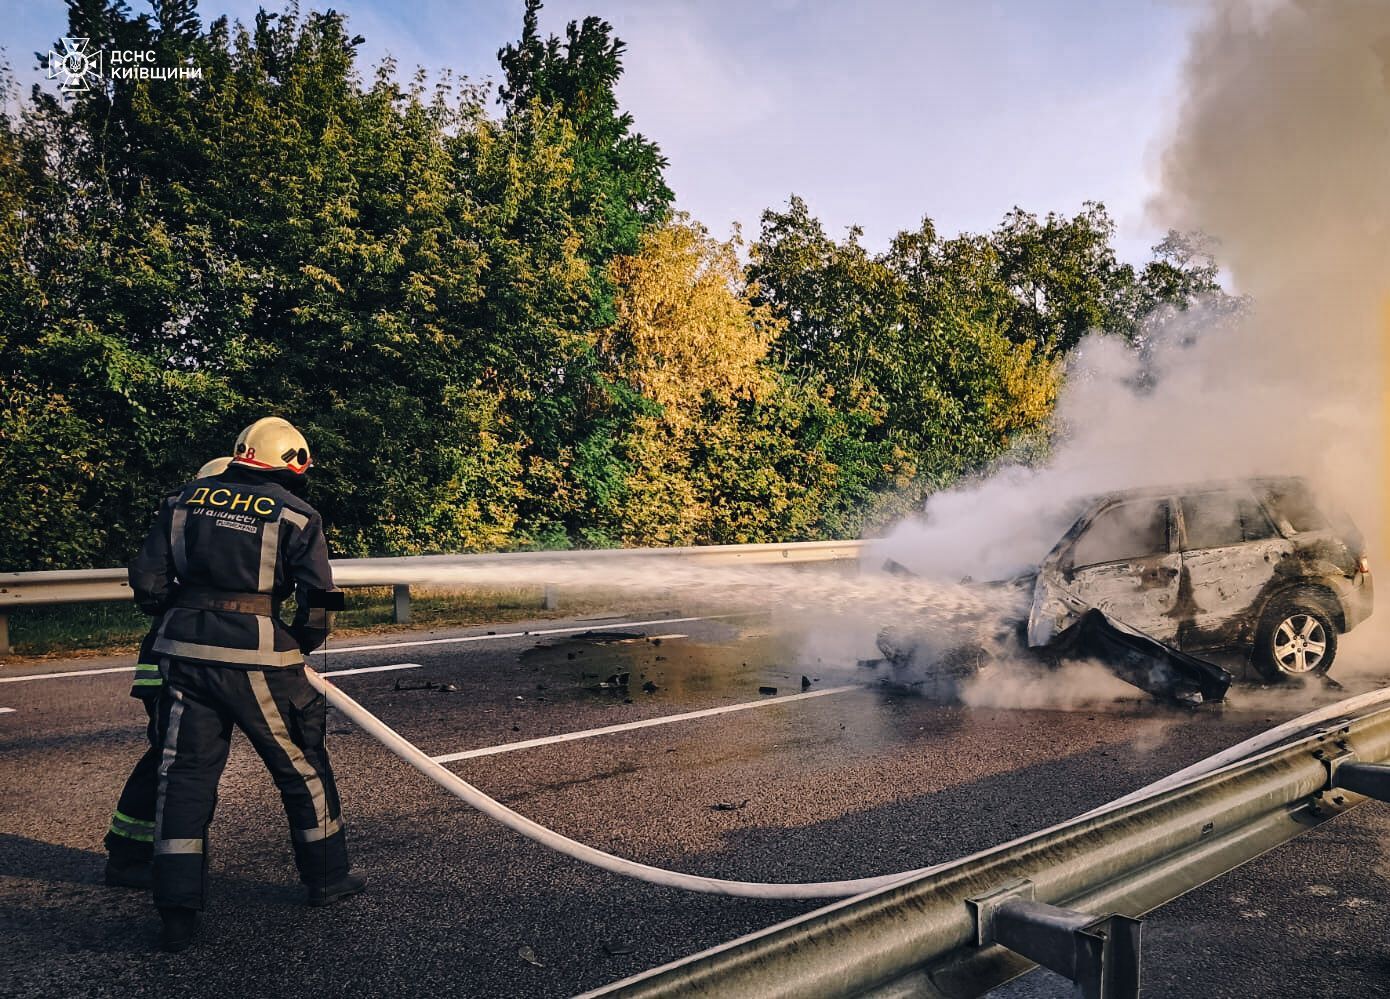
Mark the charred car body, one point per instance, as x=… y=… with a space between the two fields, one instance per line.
x=1148 y=580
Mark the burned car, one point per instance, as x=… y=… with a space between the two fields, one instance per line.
x=1148 y=581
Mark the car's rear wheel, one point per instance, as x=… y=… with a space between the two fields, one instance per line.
x=1296 y=638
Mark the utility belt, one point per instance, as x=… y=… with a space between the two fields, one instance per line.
x=227 y=601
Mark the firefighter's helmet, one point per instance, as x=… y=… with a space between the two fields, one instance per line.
x=272 y=443
x=215 y=467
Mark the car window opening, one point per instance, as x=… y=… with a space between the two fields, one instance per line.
x=1218 y=520
x=1124 y=532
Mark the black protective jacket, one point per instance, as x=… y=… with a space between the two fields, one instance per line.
x=221 y=556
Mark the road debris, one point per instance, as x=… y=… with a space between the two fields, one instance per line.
x=444 y=688
x=728 y=806
x=529 y=956
x=767 y=690
x=615 y=681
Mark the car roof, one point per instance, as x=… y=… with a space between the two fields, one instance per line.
x=1207 y=486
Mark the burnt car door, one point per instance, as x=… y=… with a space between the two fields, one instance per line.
x=1120 y=559
x=1231 y=551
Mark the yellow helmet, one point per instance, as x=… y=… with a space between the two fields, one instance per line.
x=272 y=443
x=215 y=467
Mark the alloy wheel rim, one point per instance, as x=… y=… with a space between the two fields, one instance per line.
x=1300 y=643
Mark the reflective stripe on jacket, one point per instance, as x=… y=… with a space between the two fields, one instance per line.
x=243 y=532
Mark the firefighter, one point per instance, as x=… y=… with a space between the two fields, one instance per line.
x=222 y=555
x=130 y=838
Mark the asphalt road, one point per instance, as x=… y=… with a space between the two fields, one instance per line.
x=848 y=784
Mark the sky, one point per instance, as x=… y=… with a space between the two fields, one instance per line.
x=877 y=113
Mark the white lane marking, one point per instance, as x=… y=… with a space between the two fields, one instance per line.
x=335 y=650
x=372 y=669
x=6 y=711
x=511 y=747
x=76 y=672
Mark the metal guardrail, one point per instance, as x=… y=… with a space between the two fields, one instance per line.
x=69 y=586
x=1065 y=897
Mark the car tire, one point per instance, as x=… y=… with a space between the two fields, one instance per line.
x=1296 y=638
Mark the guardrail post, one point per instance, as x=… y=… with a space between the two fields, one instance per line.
x=400 y=604
x=1099 y=954
x=551 y=598
x=1370 y=779
x=5 y=635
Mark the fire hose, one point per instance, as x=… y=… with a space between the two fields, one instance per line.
x=494 y=809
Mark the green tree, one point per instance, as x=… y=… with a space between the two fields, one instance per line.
x=1064 y=279
x=417 y=284
x=1183 y=270
x=914 y=342
x=559 y=95
x=836 y=300
x=619 y=171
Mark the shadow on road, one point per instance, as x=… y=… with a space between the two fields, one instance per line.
x=21 y=857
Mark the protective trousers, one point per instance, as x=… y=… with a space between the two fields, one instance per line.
x=130 y=839
x=283 y=717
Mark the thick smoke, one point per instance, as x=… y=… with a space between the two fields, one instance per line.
x=1281 y=152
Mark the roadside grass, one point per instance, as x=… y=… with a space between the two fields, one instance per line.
x=61 y=628
x=93 y=629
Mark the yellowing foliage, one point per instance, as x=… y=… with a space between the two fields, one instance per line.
x=686 y=332
x=1029 y=388
x=689 y=340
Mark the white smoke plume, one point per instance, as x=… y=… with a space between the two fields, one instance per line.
x=1281 y=152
